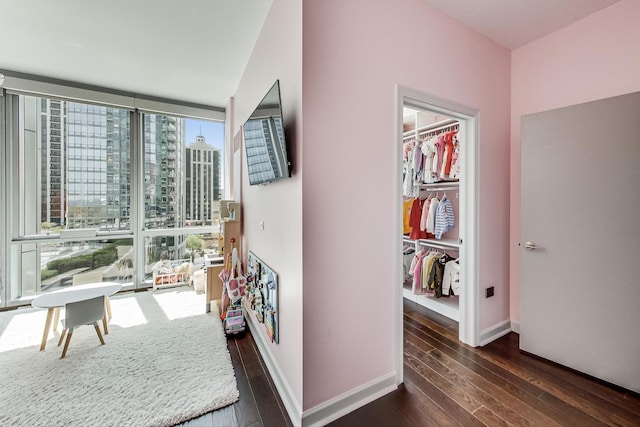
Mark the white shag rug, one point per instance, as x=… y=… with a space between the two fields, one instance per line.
x=165 y=361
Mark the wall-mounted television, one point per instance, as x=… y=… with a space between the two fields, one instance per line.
x=265 y=145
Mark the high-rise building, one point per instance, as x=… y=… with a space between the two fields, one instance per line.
x=98 y=169
x=85 y=170
x=52 y=177
x=85 y=177
x=163 y=179
x=202 y=182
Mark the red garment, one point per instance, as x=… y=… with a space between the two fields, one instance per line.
x=448 y=155
x=414 y=220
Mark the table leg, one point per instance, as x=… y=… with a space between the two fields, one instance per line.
x=56 y=318
x=47 y=325
x=107 y=306
x=104 y=324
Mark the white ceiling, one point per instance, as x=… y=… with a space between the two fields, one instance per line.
x=197 y=50
x=190 y=50
x=514 y=23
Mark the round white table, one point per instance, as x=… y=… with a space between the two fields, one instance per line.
x=60 y=297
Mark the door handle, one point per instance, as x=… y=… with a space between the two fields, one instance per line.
x=530 y=246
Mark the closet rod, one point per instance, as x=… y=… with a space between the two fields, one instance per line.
x=439 y=125
x=438 y=130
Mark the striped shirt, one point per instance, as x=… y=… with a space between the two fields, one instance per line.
x=444 y=217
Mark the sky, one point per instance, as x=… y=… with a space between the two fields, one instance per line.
x=213 y=132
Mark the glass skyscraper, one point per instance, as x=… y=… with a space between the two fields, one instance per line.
x=85 y=169
x=202 y=179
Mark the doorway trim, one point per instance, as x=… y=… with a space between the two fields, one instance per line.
x=469 y=189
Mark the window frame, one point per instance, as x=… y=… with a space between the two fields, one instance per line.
x=17 y=84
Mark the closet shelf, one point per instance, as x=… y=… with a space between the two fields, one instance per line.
x=407 y=239
x=440 y=186
x=442 y=244
x=434 y=243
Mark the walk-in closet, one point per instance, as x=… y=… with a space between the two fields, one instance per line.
x=438 y=207
x=431 y=169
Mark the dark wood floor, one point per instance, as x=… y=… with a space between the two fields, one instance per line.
x=259 y=404
x=447 y=384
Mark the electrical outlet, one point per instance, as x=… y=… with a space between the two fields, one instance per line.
x=489 y=292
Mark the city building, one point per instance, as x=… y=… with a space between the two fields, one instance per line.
x=202 y=182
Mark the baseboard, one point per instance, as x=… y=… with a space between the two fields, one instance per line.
x=347 y=402
x=515 y=327
x=494 y=332
x=288 y=400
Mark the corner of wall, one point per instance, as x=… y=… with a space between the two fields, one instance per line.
x=494 y=332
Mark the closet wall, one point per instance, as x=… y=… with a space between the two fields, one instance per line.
x=432 y=167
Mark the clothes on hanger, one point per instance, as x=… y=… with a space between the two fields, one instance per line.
x=434 y=158
x=429 y=271
x=437 y=163
x=431 y=216
x=406 y=215
x=451 y=279
x=428 y=218
x=447 y=158
x=444 y=219
x=456 y=160
x=416 y=268
x=425 y=214
x=408 y=253
x=415 y=218
x=428 y=149
x=410 y=187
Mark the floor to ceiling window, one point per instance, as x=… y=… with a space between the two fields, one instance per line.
x=88 y=187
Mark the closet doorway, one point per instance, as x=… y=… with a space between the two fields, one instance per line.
x=437 y=212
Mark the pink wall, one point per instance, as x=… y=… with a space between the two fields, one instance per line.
x=278 y=55
x=354 y=54
x=592 y=59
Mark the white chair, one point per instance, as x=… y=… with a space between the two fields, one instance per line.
x=89 y=277
x=94 y=277
x=81 y=279
x=87 y=312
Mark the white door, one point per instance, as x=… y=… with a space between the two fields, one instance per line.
x=580 y=276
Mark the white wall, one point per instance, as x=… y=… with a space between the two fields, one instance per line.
x=594 y=58
x=354 y=55
x=278 y=55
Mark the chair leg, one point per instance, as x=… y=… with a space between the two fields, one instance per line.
x=62 y=335
x=66 y=344
x=95 y=325
x=105 y=324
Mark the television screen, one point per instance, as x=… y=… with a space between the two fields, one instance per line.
x=264 y=141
